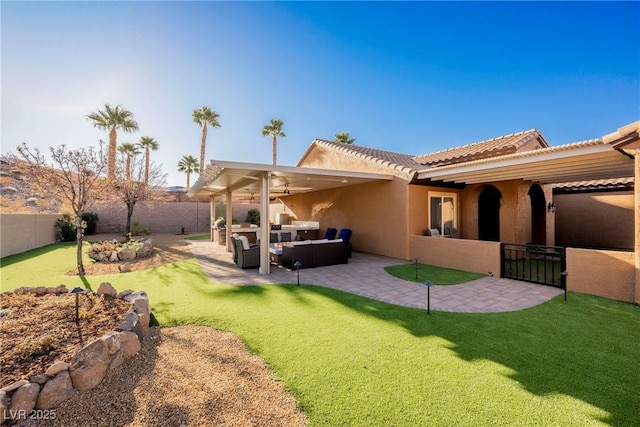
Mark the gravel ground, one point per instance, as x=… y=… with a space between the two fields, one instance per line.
x=185 y=376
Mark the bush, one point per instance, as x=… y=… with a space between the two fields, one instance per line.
x=66 y=228
x=253 y=216
x=136 y=230
x=91 y=219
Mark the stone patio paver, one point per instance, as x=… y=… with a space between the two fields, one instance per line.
x=364 y=275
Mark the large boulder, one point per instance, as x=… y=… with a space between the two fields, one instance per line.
x=106 y=288
x=89 y=365
x=23 y=401
x=126 y=254
x=112 y=341
x=145 y=249
x=129 y=343
x=55 y=391
x=132 y=323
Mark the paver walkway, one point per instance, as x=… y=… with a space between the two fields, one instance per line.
x=364 y=275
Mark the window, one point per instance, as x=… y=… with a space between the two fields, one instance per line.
x=442 y=212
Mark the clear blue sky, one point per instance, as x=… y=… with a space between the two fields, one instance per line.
x=409 y=77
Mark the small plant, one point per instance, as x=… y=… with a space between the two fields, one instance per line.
x=39 y=346
x=136 y=230
x=66 y=228
x=91 y=219
x=253 y=216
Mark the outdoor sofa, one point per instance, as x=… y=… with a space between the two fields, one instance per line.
x=315 y=253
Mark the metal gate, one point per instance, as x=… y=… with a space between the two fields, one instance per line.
x=546 y=265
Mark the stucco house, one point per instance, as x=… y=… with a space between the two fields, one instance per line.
x=480 y=195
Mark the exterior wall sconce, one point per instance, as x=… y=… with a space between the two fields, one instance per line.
x=551 y=207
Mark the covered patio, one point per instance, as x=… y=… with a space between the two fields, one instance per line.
x=228 y=179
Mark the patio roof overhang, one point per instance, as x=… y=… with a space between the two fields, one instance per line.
x=246 y=178
x=583 y=161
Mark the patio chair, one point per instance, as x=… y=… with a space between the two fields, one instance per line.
x=330 y=233
x=248 y=255
x=234 y=247
x=273 y=238
x=345 y=235
x=285 y=236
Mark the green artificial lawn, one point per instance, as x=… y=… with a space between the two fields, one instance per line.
x=437 y=275
x=199 y=237
x=350 y=360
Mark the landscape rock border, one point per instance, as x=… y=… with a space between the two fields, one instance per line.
x=88 y=366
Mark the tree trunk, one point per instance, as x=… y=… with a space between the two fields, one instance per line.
x=127 y=230
x=128 y=167
x=188 y=180
x=112 y=152
x=146 y=167
x=274 y=144
x=79 y=234
x=202 y=147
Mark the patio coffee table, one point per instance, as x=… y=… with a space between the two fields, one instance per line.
x=275 y=253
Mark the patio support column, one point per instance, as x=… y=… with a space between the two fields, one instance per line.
x=212 y=215
x=264 y=224
x=229 y=218
x=636 y=215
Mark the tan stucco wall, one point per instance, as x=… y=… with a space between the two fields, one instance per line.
x=609 y=274
x=515 y=212
x=418 y=207
x=374 y=211
x=22 y=232
x=323 y=158
x=461 y=254
x=595 y=219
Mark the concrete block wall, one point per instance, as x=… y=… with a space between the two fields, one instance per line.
x=23 y=232
x=157 y=217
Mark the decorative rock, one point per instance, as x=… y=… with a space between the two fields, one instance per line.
x=142 y=308
x=126 y=254
x=41 y=290
x=130 y=344
x=4 y=407
x=135 y=295
x=124 y=293
x=131 y=322
x=114 y=256
x=117 y=359
x=52 y=290
x=4 y=312
x=89 y=365
x=14 y=386
x=39 y=379
x=24 y=400
x=106 y=288
x=145 y=249
x=56 y=368
x=55 y=391
x=62 y=289
x=112 y=341
x=125 y=268
x=7 y=293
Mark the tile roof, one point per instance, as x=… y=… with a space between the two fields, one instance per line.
x=402 y=163
x=502 y=145
x=600 y=184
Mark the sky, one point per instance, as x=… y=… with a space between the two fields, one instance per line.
x=409 y=77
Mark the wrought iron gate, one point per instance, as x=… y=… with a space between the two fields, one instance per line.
x=545 y=265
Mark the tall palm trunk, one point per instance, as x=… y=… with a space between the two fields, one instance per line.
x=202 y=147
x=128 y=168
x=274 y=147
x=146 y=167
x=188 y=180
x=112 y=152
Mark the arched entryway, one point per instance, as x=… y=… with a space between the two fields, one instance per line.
x=538 y=215
x=489 y=203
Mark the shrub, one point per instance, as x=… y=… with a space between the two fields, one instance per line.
x=136 y=230
x=91 y=219
x=253 y=216
x=66 y=228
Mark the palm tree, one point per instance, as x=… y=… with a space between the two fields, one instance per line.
x=202 y=117
x=274 y=128
x=344 y=138
x=113 y=119
x=129 y=150
x=147 y=143
x=188 y=164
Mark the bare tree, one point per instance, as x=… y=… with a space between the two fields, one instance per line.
x=74 y=176
x=131 y=188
